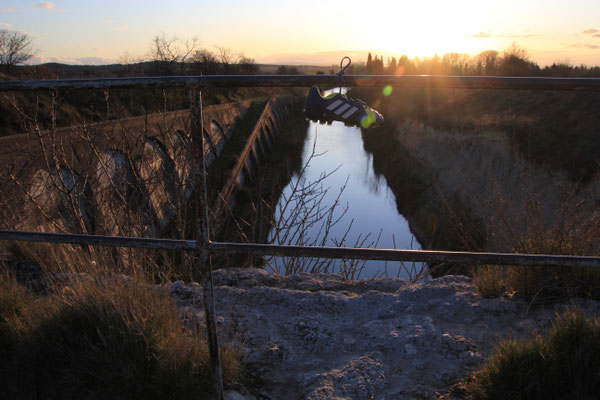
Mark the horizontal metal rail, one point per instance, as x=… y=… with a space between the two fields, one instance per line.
x=99 y=240
x=310 y=251
x=406 y=255
x=403 y=81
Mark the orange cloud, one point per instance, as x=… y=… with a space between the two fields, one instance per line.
x=45 y=4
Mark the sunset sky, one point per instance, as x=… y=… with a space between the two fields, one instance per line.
x=311 y=31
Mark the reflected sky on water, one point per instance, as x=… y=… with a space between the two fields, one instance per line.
x=371 y=204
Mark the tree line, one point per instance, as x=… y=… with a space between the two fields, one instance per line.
x=513 y=61
x=166 y=56
x=172 y=56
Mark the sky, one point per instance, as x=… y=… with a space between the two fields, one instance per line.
x=317 y=32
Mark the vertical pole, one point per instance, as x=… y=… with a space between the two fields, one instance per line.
x=204 y=239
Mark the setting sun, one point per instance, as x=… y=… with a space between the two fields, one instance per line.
x=425 y=29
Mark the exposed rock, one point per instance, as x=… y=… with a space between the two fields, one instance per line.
x=321 y=337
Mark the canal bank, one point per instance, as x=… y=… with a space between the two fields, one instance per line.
x=475 y=187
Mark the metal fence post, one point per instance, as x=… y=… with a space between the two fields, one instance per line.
x=203 y=241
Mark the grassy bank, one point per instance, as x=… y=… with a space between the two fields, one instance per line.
x=557 y=130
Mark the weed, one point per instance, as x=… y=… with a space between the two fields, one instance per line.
x=562 y=364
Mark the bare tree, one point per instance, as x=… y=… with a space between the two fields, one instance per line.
x=171 y=54
x=247 y=65
x=205 y=62
x=486 y=62
x=515 y=62
x=15 y=48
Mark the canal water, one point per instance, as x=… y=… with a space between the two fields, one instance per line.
x=339 y=172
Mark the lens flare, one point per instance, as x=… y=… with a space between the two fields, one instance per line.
x=367 y=121
x=387 y=90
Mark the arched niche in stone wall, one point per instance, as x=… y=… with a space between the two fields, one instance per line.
x=217 y=131
x=210 y=152
x=268 y=135
x=157 y=175
x=119 y=197
x=57 y=201
x=179 y=152
x=260 y=147
x=274 y=125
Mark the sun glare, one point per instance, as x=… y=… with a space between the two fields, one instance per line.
x=426 y=29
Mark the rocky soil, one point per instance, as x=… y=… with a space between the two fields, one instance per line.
x=321 y=337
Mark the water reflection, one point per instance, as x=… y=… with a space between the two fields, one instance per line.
x=372 y=215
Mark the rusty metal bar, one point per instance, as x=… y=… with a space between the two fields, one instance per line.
x=99 y=240
x=406 y=81
x=406 y=255
x=309 y=251
x=203 y=241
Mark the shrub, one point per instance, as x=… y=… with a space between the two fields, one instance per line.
x=564 y=364
x=101 y=339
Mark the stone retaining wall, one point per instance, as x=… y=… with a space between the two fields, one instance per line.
x=127 y=177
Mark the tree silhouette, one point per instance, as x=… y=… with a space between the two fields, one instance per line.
x=15 y=48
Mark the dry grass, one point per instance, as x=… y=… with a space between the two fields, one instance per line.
x=101 y=338
x=574 y=231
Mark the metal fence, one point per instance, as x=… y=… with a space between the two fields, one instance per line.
x=204 y=247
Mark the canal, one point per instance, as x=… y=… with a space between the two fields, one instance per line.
x=337 y=199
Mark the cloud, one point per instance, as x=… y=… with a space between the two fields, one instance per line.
x=522 y=35
x=47 y=6
x=114 y=23
x=7 y=10
x=591 y=31
x=489 y=34
x=482 y=34
x=586 y=46
x=5 y=25
x=72 y=60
